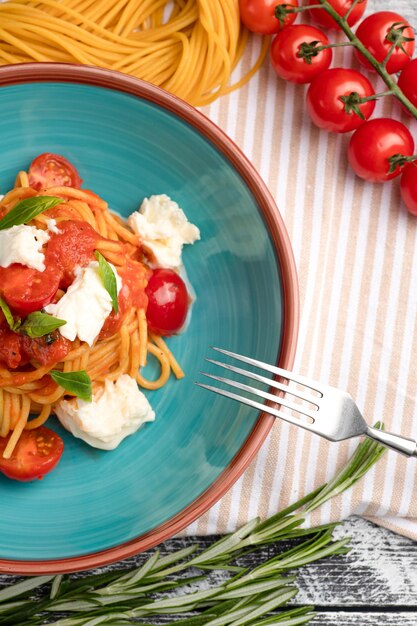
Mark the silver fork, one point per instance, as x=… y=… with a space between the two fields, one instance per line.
x=321 y=409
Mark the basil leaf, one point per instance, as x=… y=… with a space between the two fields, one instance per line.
x=38 y=324
x=108 y=279
x=13 y=324
x=27 y=209
x=78 y=383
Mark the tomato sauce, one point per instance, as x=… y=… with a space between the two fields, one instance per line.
x=72 y=245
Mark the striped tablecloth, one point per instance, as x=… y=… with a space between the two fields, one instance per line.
x=356 y=251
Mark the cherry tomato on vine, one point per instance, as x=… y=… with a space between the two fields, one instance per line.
x=294 y=56
x=407 y=81
x=167 y=302
x=322 y=18
x=334 y=96
x=374 y=143
x=259 y=15
x=378 y=31
x=408 y=187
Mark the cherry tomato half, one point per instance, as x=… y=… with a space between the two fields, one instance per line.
x=36 y=453
x=259 y=15
x=373 y=143
x=287 y=47
x=26 y=289
x=324 y=103
x=52 y=170
x=408 y=187
x=374 y=34
x=167 y=302
x=407 y=81
x=322 y=18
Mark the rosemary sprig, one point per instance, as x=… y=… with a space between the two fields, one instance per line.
x=182 y=582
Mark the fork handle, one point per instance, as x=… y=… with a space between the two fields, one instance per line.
x=395 y=442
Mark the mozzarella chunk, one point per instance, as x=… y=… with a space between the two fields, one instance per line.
x=163 y=229
x=85 y=306
x=51 y=225
x=23 y=244
x=103 y=423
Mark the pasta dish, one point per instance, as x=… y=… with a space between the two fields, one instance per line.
x=85 y=298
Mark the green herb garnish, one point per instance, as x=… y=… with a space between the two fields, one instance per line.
x=38 y=324
x=13 y=323
x=108 y=279
x=78 y=383
x=181 y=582
x=27 y=209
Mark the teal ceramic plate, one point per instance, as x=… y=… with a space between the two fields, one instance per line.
x=128 y=140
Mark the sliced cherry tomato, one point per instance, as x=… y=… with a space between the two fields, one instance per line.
x=52 y=170
x=72 y=245
x=375 y=32
x=372 y=145
x=325 y=104
x=408 y=187
x=26 y=289
x=10 y=347
x=288 y=48
x=322 y=18
x=259 y=16
x=134 y=277
x=114 y=321
x=46 y=350
x=407 y=82
x=36 y=453
x=167 y=302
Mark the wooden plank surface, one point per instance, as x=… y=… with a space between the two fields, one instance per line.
x=375 y=584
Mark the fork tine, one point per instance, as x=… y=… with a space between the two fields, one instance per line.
x=268 y=381
x=301 y=380
x=263 y=394
x=259 y=406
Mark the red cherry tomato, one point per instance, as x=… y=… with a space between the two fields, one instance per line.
x=374 y=33
x=408 y=187
x=322 y=18
x=373 y=143
x=26 y=289
x=167 y=302
x=287 y=47
x=324 y=103
x=52 y=170
x=259 y=15
x=36 y=453
x=407 y=81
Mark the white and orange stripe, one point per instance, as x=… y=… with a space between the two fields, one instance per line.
x=356 y=252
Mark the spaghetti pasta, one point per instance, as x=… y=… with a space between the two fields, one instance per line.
x=28 y=394
x=189 y=47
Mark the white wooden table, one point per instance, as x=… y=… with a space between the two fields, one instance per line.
x=374 y=585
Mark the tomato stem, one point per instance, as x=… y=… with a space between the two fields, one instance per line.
x=399 y=160
x=349 y=11
x=378 y=67
x=309 y=49
x=381 y=94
